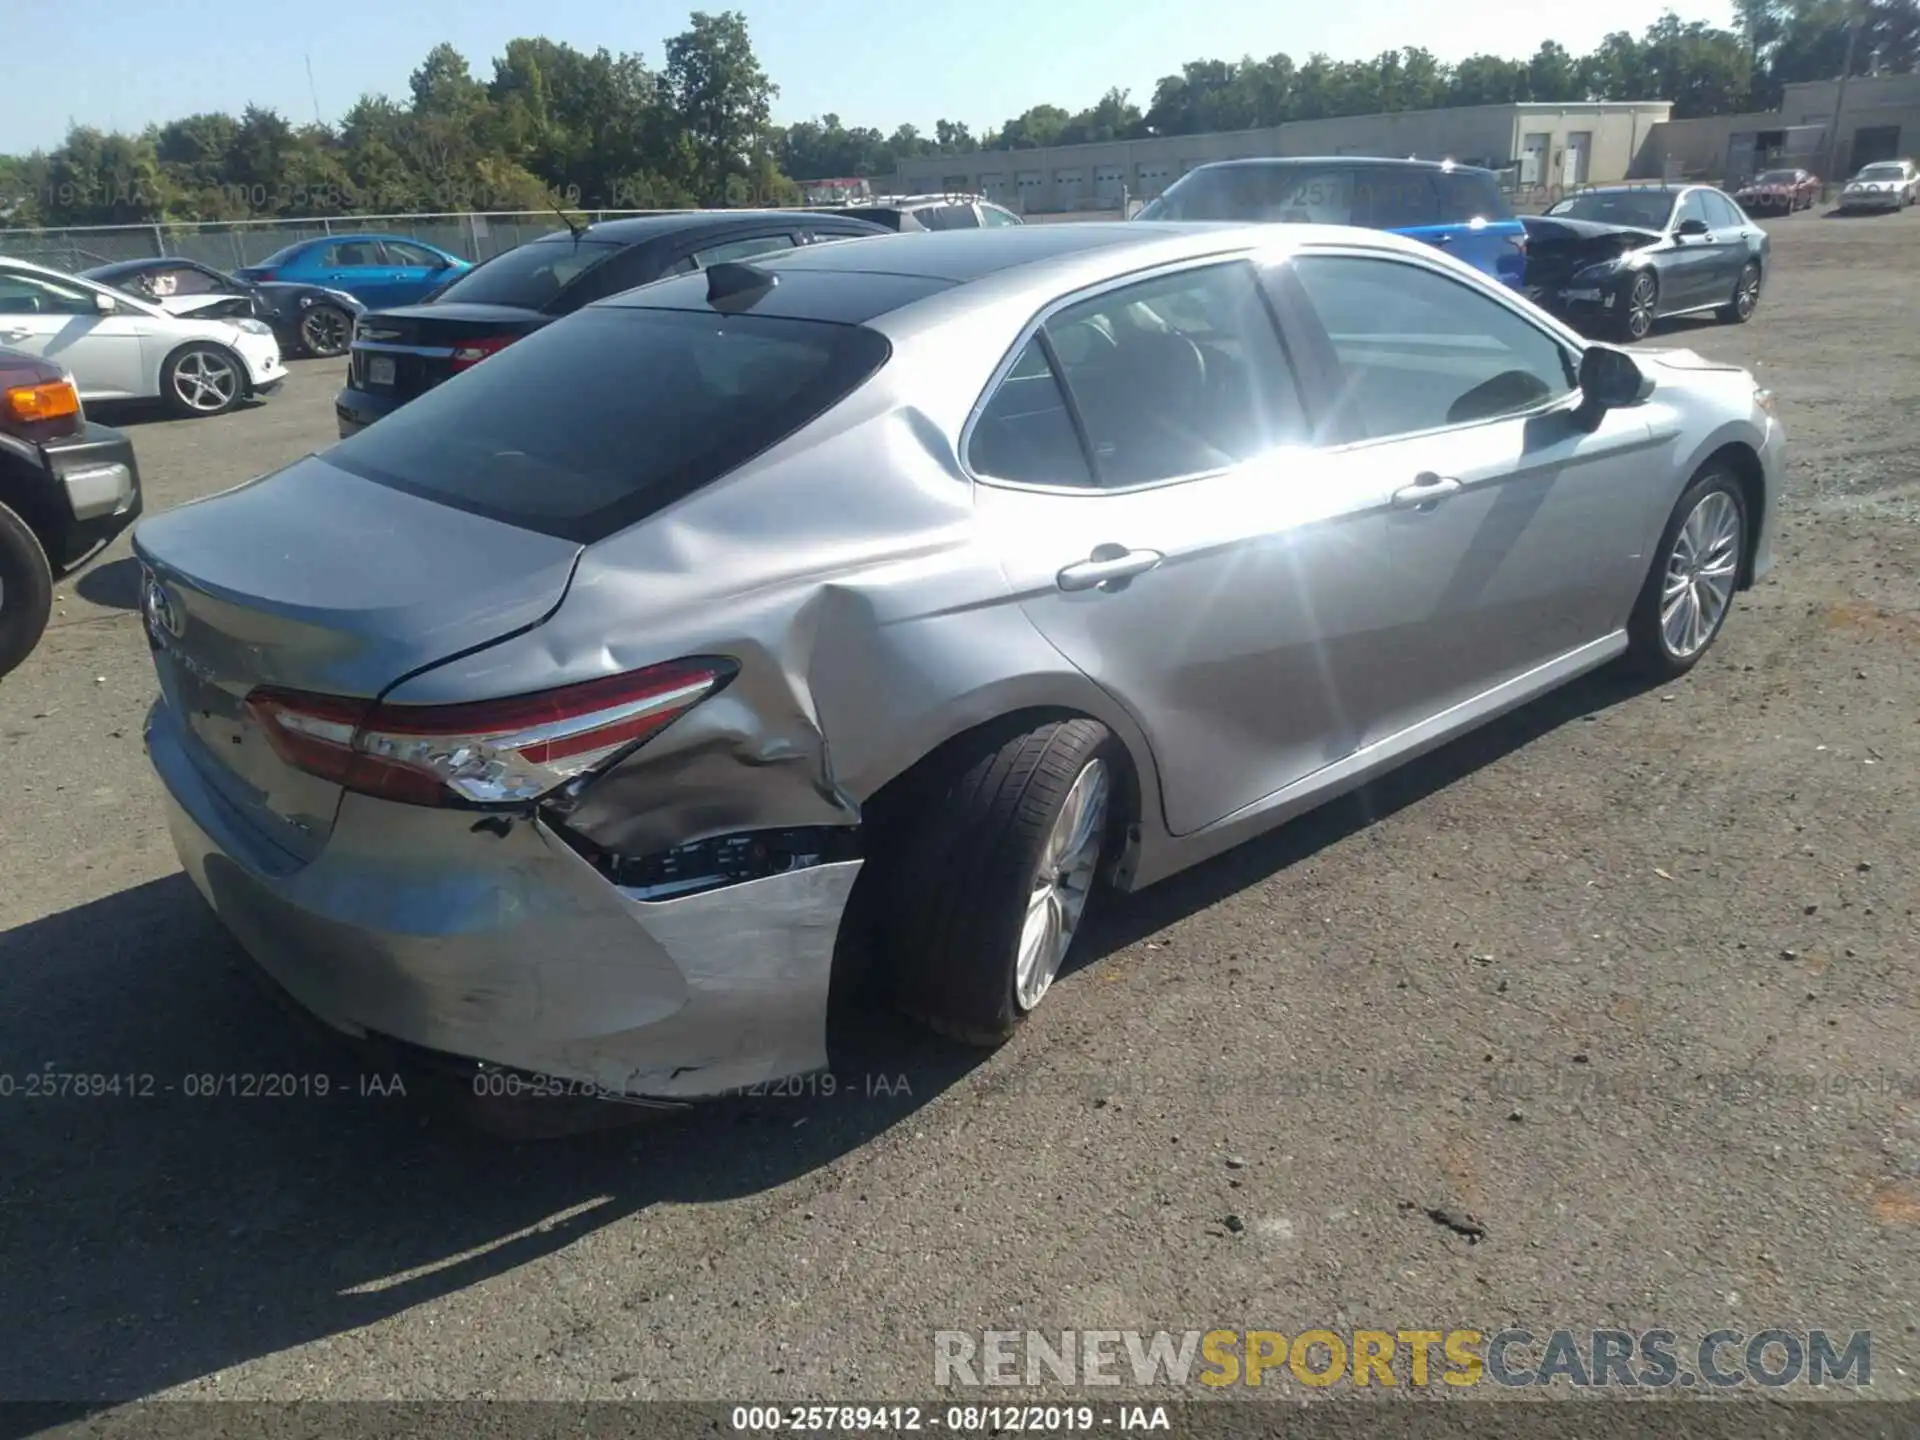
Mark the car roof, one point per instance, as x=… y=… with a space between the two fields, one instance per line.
x=1363 y=162
x=857 y=281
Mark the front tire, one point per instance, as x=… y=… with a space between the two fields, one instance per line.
x=1690 y=585
x=326 y=331
x=1746 y=296
x=26 y=590
x=990 y=890
x=200 y=380
x=1639 y=307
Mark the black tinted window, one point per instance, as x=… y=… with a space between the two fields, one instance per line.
x=1722 y=213
x=1637 y=209
x=529 y=276
x=1419 y=350
x=1025 y=432
x=1470 y=195
x=948 y=217
x=596 y=421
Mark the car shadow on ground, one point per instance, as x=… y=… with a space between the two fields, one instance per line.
x=114 y=585
x=170 y=1214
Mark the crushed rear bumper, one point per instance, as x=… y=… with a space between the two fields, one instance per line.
x=512 y=949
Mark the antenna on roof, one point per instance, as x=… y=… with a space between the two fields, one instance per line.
x=731 y=280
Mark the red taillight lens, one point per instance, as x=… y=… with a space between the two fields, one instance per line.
x=469 y=353
x=489 y=752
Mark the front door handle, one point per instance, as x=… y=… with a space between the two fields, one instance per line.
x=1426 y=491
x=14 y=334
x=1109 y=568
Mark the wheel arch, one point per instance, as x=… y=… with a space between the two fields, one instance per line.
x=1743 y=461
x=896 y=797
x=197 y=343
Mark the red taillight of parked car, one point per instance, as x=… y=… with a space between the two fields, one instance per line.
x=489 y=752
x=469 y=353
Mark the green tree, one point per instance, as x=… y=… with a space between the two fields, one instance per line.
x=720 y=101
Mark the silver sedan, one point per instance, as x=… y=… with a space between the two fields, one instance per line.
x=561 y=722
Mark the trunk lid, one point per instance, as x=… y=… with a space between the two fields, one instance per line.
x=315 y=579
x=405 y=352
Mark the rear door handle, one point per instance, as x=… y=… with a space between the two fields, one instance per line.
x=1108 y=568
x=1426 y=491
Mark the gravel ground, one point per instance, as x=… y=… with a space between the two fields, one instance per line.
x=1629 y=977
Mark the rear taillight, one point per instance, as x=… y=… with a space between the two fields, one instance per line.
x=490 y=752
x=469 y=353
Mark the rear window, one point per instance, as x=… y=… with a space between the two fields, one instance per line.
x=602 y=418
x=1378 y=197
x=284 y=255
x=531 y=275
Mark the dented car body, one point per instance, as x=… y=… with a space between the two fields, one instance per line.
x=543 y=724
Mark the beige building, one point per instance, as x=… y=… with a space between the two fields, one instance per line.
x=1881 y=121
x=1546 y=145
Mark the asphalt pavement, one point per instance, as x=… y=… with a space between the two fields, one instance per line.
x=1628 y=978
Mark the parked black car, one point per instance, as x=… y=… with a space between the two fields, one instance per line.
x=929 y=212
x=398 y=354
x=1619 y=257
x=67 y=487
x=306 y=319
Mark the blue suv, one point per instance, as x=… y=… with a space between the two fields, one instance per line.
x=1457 y=208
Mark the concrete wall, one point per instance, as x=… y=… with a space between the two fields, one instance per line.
x=1698 y=148
x=1077 y=177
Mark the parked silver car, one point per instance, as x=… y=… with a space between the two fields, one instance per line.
x=553 y=721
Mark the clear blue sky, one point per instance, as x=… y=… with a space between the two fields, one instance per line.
x=873 y=62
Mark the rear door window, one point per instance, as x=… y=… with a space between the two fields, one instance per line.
x=1466 y=195
x=585 y=427
x=1171 y=377
x=737 y=250
x=529 y=276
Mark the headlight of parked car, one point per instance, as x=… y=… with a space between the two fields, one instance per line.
x=255 y=327
x=1604 y=269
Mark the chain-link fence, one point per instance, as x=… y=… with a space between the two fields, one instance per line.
x=228 y=245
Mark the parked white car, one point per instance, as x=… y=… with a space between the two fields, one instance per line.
x=1884 y=185
x=118 y=347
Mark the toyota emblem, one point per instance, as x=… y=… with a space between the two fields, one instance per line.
x=162 y=617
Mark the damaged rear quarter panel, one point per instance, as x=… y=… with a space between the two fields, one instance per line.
x=843 y=572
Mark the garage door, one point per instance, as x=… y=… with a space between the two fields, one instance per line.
x=1108 y=183
x=1155 y=178
x=994 y=187
x=1069 y=189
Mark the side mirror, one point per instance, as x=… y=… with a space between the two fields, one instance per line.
x=105 y=304
x=1692 y=227
x=1609 y=380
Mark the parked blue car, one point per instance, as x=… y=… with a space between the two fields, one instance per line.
x=380 y=271
x=1457 y=208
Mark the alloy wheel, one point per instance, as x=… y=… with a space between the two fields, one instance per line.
x=1062 y=881
x=1701 y=570
x=1640 y=303
x=1748 y=295
x=324 y=332
x=204 y=381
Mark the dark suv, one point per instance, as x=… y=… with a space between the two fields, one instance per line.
x=1456 y=208
x=929 y=212
x=67 y=487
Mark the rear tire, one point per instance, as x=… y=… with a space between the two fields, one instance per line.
x=989 y=889
x=26 y=590
x=1746 y=296
x=1695 y=573
x=326 y=332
